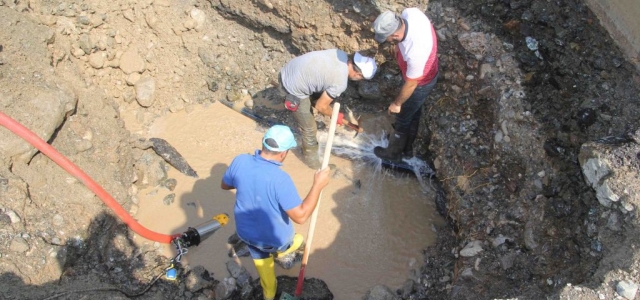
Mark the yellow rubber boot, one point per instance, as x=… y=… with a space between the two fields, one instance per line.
x=267 y=273
x=297 y=242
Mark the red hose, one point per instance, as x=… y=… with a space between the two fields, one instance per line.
x=72 y=169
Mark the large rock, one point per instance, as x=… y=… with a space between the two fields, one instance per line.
x=145 y=90
x=30 y=93
x=474 y=42
x=239 y=272
x=199 y=17
x=613 y=171
x=42 y=113
x=198 y=278
x=225 y=288
x=207 y=56
x=627 y=289
x=84 y=42
x=369 y=90
x=97 y=59
x=131 y=62
x=19 y=245
x=471 y=249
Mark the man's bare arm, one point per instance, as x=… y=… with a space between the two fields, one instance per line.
x=323 y=105
x=302 y=212
x=405 y=92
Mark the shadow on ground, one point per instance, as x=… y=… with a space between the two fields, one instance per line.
x=106 y=264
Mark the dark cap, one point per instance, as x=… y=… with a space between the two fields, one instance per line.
x=385 y=25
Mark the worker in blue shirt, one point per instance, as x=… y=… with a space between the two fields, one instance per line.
x=267 y=201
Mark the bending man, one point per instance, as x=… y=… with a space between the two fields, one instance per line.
x=327 y=73
x=267 y=201
x=415 y=51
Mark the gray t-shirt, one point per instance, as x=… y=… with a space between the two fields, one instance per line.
x=316 y=72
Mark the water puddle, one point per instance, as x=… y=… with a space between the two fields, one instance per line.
x=372 y=224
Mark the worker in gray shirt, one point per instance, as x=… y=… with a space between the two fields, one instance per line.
x=326 y=73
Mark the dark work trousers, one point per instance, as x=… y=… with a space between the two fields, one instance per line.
x=411 y=110
x=307 y=126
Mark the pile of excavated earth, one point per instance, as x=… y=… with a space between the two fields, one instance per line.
x=533 y=130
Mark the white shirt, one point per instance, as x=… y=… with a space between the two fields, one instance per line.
x=418 y=43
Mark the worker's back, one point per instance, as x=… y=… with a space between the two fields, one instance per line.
x=263 y=193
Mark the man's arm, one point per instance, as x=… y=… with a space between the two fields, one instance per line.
x=301 y=213
x=405 y=92
x=323 y=105
x=225 y=187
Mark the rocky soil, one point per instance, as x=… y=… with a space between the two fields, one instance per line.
x=534 y=136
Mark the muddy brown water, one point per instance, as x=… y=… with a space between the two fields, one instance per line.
x=371 y=226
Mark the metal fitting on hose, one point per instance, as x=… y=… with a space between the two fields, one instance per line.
x=195 y=235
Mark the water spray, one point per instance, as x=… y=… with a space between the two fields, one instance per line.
x=361 y=148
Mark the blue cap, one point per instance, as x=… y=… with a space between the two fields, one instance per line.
x=282 y=135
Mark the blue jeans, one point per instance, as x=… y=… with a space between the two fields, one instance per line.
x=266 y=251
x=411 y=110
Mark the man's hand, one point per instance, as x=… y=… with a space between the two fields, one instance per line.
x=321 y=177
x=394 y=108
x=301 y=213
x=405 y=92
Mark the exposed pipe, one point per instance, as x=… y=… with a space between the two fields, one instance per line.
x=74 y=170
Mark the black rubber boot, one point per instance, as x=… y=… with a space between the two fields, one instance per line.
x=397 y=142
x=407 y=152
x=310 y=156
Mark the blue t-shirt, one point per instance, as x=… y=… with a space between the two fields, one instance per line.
x=263 y=195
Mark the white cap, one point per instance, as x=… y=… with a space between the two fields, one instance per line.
x=366 y=64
